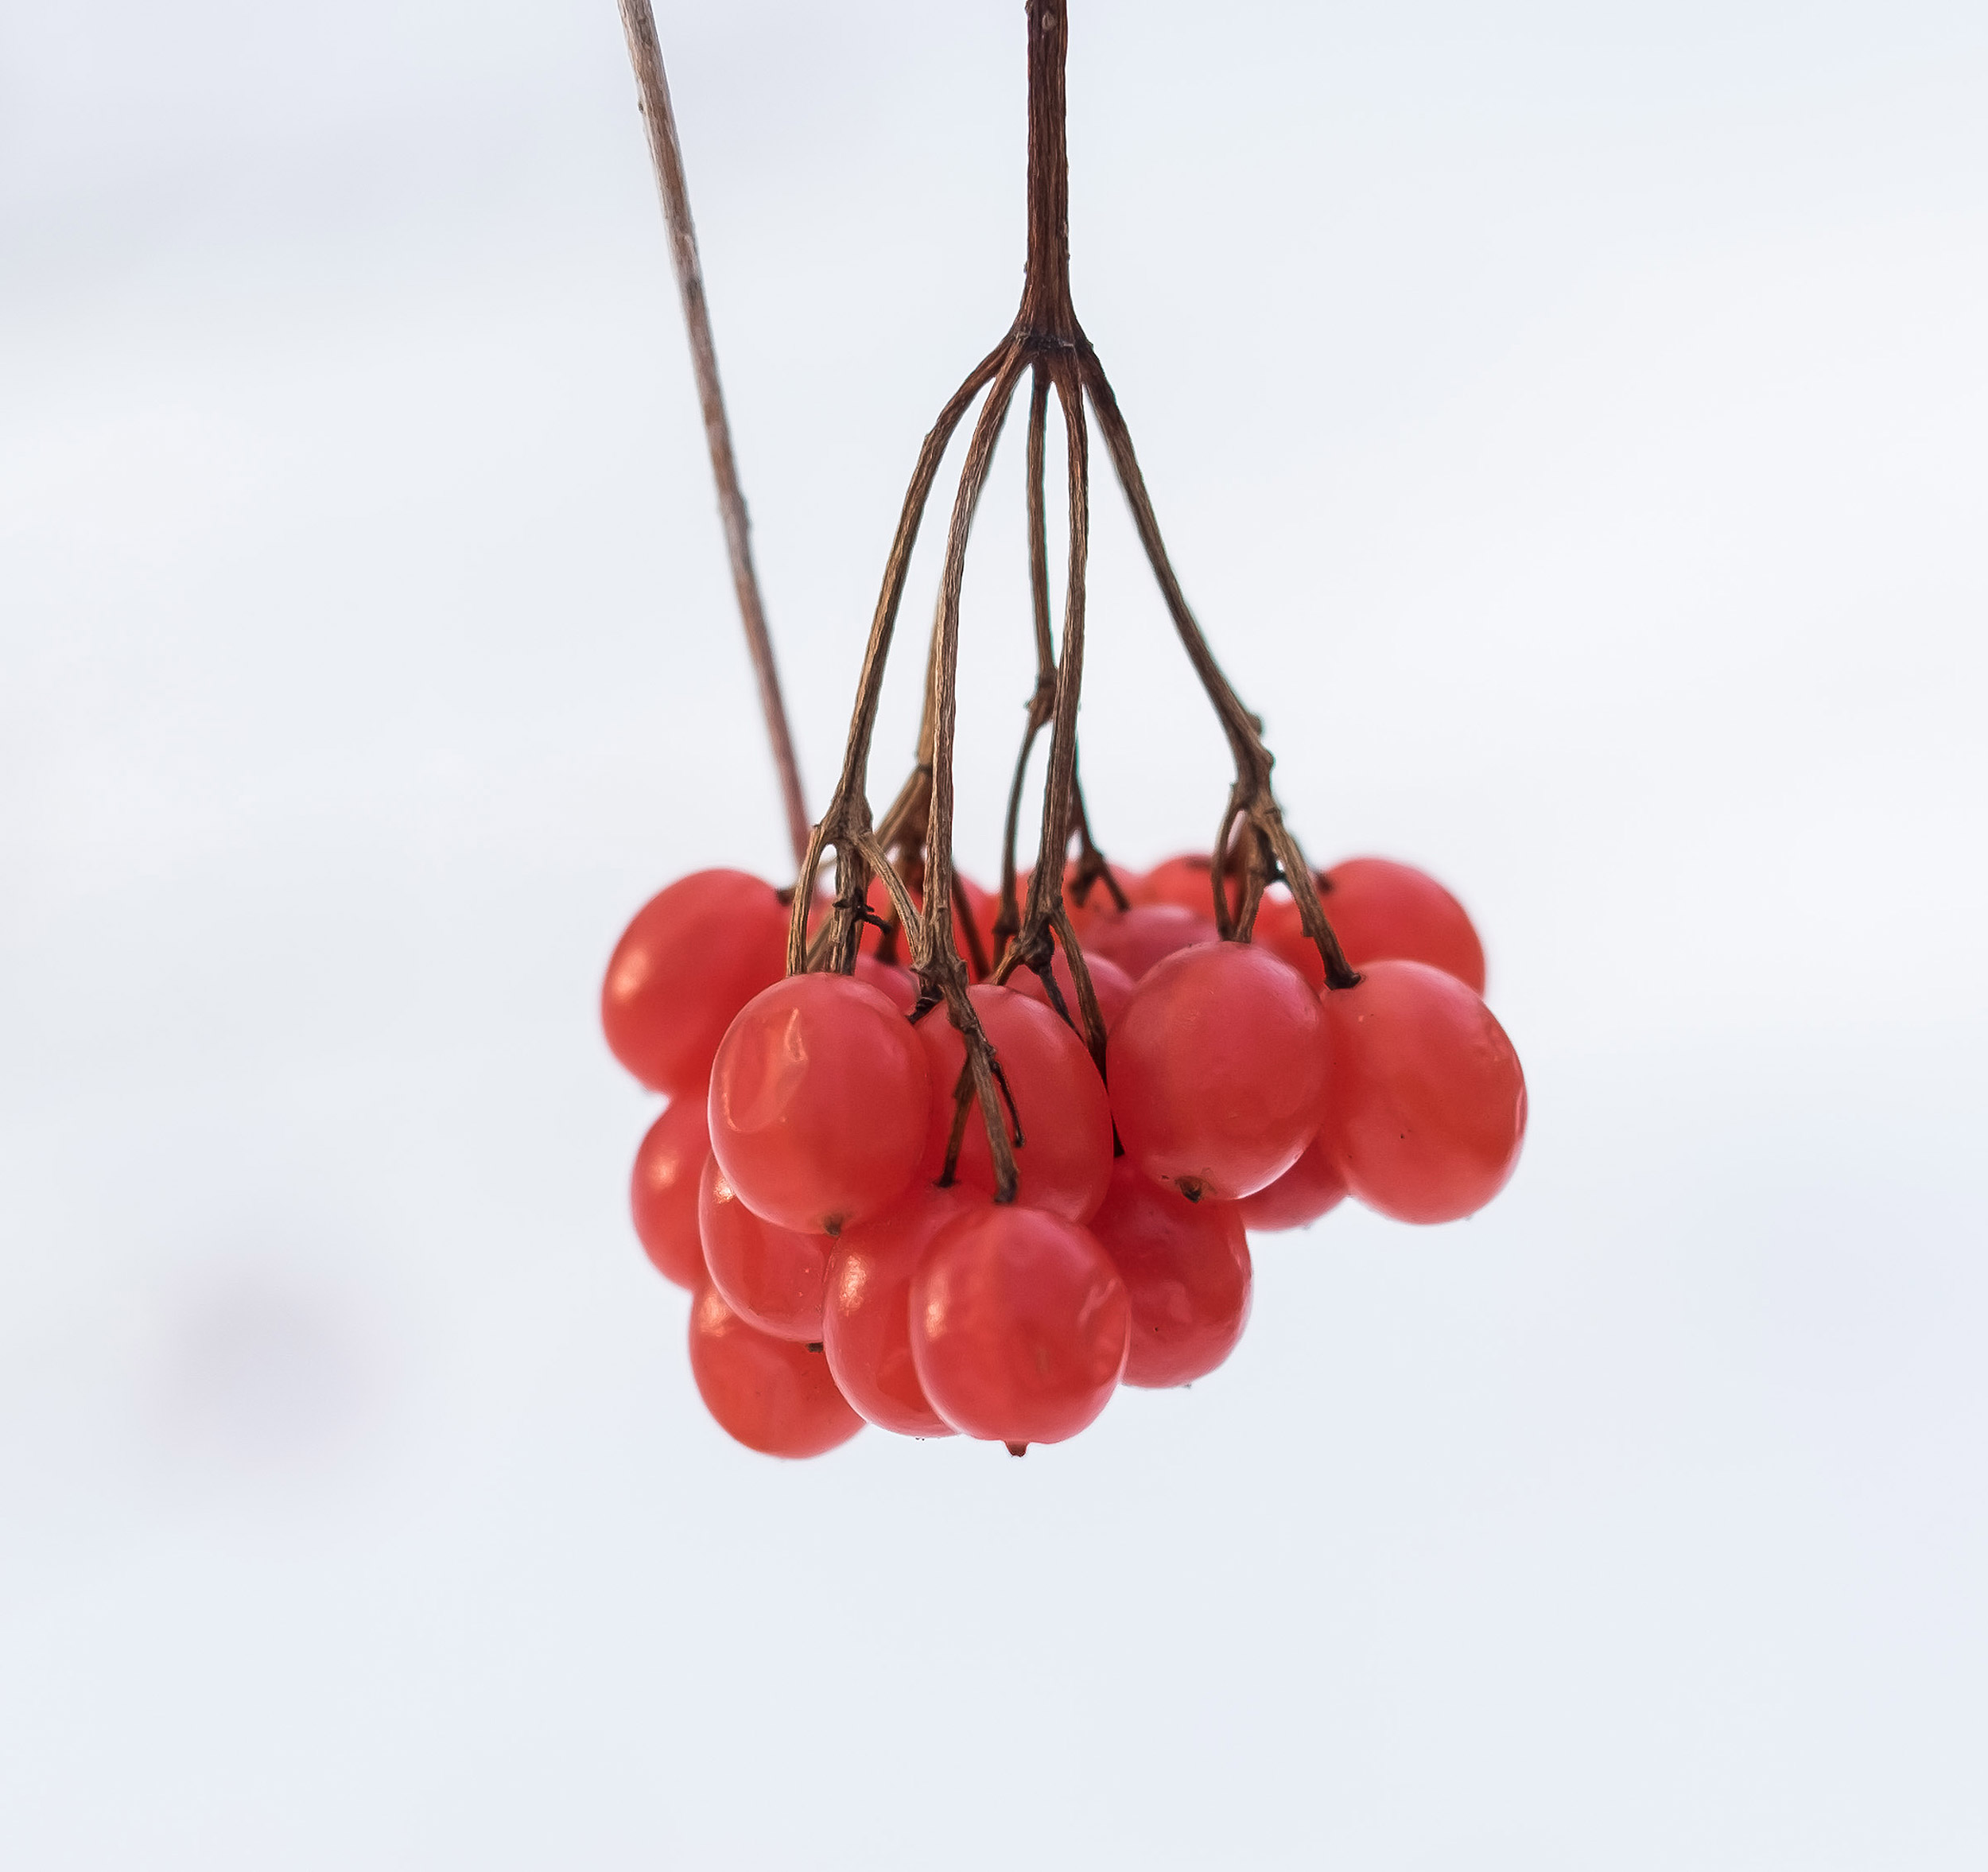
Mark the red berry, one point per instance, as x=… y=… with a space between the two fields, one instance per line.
x=1280 y=929
x=773 y=1395
x=1019 y=1325
x=1112 y=986
x=695 y=954
x=1308 y=1189
x=1098 y=900
x=897 y=985
x=1065 y=1158
x=1426 y=1112
x=1186 y=882
x=818 y=1105
x=1218 y=1065
x=1186 y=1267
x=1137 y=938
x=771 y=1277
x=663 y=1191
x=1381 y=912
x=867 y=1325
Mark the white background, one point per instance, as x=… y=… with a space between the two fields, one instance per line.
x=1569 y=422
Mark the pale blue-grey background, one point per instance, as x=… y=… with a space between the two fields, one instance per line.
x=1570 y=422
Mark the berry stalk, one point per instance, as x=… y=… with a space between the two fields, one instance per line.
x=912 y=850
x=1273 y=852
x=1042 y=702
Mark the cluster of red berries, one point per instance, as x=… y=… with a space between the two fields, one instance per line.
x=796 y=1181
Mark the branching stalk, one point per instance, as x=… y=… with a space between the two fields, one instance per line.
x=1273 y=850
x=911 y=851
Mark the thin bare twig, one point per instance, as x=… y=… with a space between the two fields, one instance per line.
x=1060 y=806
x=937 y=958
x=1273 y=848
x=848 y=812
x=645 y=53
x=1042 y=702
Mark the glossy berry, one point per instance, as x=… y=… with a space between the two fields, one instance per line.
x=1186 y=1267
x=1310 y=1189
x=1381 y=912
x=1280 y=929
x=1218 y=1065
x=818 y=1103
x=867 y=1324
x=897 y=984
x=1112 y=986
x=1137 y=938
x=772 y=1278
x=663 y=1191
x=1065 y=1158
x=1098 y=900
x=695 y=954
x=1426 y=1110
x=1019 y=1326
x=772 y=1395
x=1186 y=882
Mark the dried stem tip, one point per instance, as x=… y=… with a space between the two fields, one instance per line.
x=645 y=53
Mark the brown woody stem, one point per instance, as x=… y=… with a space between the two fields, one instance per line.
x=1048 y=317
x=1042 y=702
x=1045 y=914
x=652 y=88
x=848 y=813
x=1251 y=797
x=942 y=973
x=912 y=849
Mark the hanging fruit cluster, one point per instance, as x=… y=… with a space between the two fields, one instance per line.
x=953 y=1160
x=799 y=1184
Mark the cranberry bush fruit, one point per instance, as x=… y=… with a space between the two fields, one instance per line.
x=949 y=1160
x=829 y=1193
